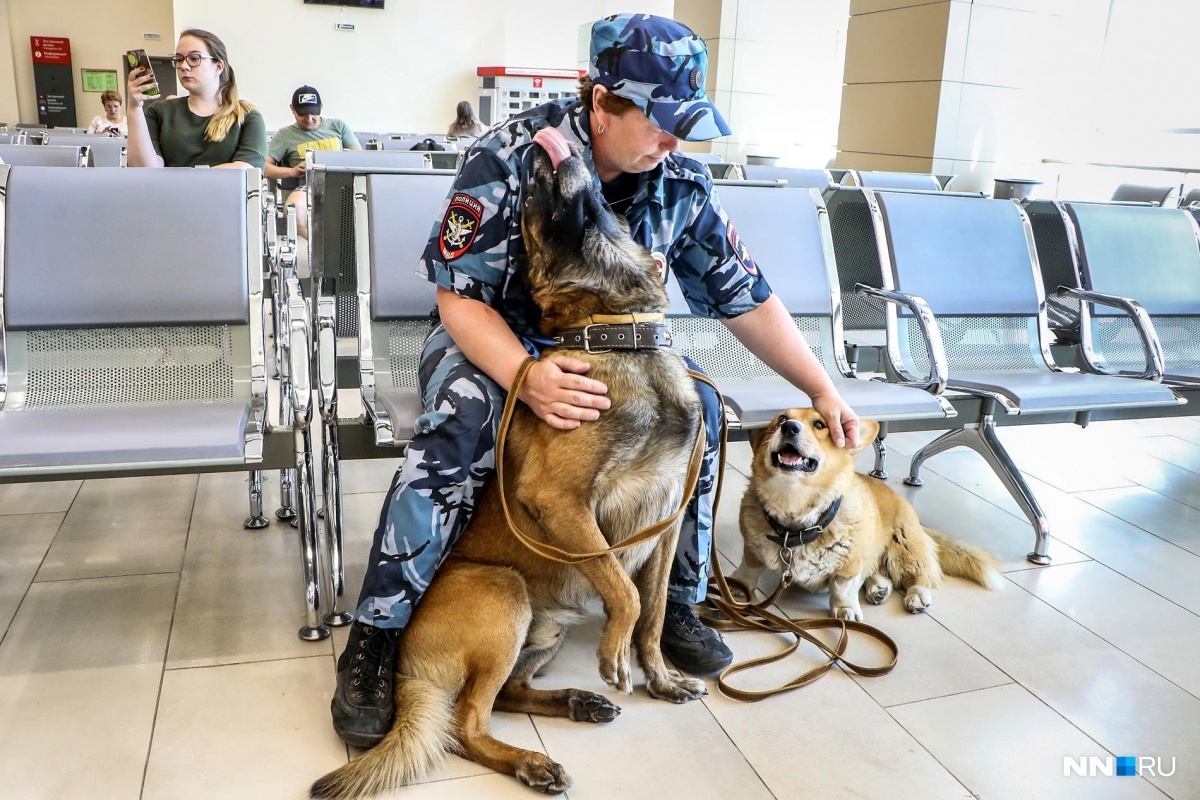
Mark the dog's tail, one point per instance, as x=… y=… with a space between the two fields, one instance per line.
x=967 y=561
x=419 y=740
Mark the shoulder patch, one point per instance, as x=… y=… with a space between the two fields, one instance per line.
x=460 y=225
x=739 y=250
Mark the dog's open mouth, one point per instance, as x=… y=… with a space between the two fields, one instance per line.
x=789 y=459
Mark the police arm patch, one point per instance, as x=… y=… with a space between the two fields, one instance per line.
x=739 y=250
x=460 y=225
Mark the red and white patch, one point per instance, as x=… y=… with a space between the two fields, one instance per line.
x=661 y=261
x=739 y=250
x=460 y=225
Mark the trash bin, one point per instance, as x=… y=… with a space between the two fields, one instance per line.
x=1013 y=188
x=762 y=161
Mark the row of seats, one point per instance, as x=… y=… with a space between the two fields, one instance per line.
x=965 y=317
x=118 y=365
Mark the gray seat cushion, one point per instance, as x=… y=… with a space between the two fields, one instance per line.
x=96 y=437
x=403 y=406
x=757 y=402
x=1058 y=391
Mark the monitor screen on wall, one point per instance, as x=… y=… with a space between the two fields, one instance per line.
x=355 y=3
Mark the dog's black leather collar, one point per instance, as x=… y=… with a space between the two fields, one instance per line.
x=794 y=537
x=626 y=336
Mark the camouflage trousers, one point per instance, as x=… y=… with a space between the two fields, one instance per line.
x=451 y=456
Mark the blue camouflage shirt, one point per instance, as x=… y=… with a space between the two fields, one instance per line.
x=476 y=249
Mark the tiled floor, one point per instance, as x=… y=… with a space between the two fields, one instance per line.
x=149 y=649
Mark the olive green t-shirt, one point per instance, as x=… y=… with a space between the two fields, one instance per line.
x=178 y=136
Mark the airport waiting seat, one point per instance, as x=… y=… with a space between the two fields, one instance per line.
x=858 y=261
x=1155 y=195
x=393 y=217
x=793 y=177
x=1137 y=263
x=1191 y=198
x=332 y=249
x=146 y=360
x=787 y=232
x=973 y=261
x=106 y=151
x=24 y=155
x=875 y=179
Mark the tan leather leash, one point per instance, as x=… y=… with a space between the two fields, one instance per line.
x=551 y=552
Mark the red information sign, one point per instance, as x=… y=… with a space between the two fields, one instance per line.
x=50 y=50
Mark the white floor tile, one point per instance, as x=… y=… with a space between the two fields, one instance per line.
x=39 y=497
x=1174 y=450
x=253 y=731
x=1167 y=519
x=123 y=526
x=241 y=597
x=24 y=540
x=1165 y=478
x=1156 y=564
x=1124 y=706
x=1148 y=627
x=662 y=750
x=828 y=739
x=1005 y=743
x=79 y=677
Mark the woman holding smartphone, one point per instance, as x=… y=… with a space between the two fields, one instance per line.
x=209 y=126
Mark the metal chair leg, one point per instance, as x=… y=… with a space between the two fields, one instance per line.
x=287 y=486
x=314 y=629
x=880 y=470
x=983 y=440
x=256 y=519
x=331 y=479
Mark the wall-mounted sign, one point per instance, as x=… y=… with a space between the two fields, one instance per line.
x=98 y=80
x=52 y=80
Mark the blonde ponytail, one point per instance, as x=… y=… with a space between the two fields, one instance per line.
x=232 y=109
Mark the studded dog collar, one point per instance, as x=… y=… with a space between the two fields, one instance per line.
x=602 y=332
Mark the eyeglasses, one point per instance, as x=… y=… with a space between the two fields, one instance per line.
x=192 y=59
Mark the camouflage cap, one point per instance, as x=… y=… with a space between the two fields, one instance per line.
x=661 y=66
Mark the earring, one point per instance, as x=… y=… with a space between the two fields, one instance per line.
x=600 y=130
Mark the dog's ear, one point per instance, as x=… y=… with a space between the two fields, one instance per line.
x=868 y=429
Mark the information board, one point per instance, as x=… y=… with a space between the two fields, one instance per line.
x=98 y=80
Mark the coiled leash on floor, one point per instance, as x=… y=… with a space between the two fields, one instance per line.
x=734 y=614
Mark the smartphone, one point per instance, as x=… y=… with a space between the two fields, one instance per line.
x=138 y=58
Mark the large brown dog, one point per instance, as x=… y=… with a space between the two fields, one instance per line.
x=496 y=612
x=843 y=531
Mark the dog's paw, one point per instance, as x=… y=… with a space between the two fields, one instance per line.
x=671 y=685
x=877 y=588
x=590 y=707
x=617 y=668
x=537 y=771
x=918 y=599
x=851 y=613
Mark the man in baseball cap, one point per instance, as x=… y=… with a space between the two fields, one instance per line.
x=287 y=149
x=661 y=66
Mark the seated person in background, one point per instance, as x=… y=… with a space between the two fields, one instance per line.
x=311 y=131
x=210 y=126
x=112 y=121
x=466 y=123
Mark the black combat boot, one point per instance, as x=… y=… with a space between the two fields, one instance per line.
x=362 y=705
x=692 y=646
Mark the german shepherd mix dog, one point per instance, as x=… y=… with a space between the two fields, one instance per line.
x=842 y=531
x=496 y=613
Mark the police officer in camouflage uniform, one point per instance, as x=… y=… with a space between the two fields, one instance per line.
x=644 y=93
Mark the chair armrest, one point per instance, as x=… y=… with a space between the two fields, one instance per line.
x=326 y=344
x=939 y=369
x=296 y=320
x=1151 y=346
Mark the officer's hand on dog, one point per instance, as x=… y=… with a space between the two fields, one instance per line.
x=841 y=419
x=560 y=395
